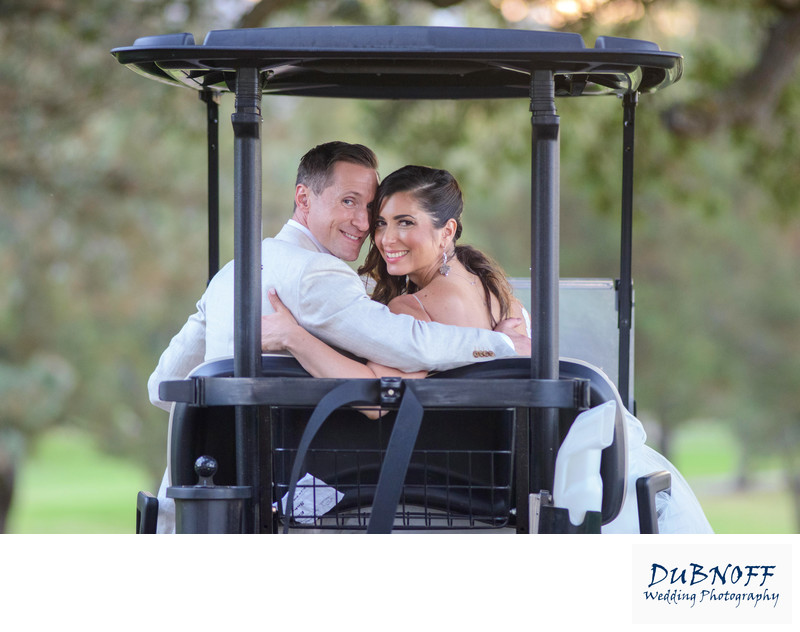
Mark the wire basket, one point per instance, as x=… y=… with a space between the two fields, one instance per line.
x=459 y=477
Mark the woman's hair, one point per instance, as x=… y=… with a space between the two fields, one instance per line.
x=438 y=194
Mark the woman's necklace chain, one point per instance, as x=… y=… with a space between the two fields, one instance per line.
x=472 y=281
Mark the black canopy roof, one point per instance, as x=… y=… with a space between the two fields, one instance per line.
x=403 y=62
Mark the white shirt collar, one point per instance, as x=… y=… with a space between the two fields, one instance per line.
x=307 y=233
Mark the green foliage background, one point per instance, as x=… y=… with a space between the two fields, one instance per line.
x=102 y=227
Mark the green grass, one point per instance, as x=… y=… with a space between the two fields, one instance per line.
x=758 y=511
x=68 y=486
x=705 y=449
x=707 y=454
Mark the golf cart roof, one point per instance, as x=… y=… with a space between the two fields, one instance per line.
x=403 y=62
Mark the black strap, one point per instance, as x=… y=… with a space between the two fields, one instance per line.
x=395 y=464
x=398 y=451
x=356 y=391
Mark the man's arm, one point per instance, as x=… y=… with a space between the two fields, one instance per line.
x=329 y=300
x=185 y=351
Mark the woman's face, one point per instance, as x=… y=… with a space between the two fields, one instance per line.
x=407 y=240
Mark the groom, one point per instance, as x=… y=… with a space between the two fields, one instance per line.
x=305 y=263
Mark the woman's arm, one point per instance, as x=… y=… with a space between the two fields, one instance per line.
x=520 y=317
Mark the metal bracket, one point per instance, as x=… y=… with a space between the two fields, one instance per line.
x=535 y=502
x=391 y=390
x=583 y=394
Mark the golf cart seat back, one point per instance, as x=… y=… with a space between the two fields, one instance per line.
x=462 y=472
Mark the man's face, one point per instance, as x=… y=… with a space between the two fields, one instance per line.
x=339 y=216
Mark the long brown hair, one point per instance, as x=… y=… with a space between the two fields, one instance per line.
x=439 y=195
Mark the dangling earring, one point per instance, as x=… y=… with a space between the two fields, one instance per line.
x=444 y=269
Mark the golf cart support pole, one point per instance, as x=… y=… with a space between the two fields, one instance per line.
x=629 y=102
x=247 y=277
x=212 y=99
x=544 y=271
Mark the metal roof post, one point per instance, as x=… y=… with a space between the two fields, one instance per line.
x=545 y=193
x=629 y=102
x=246 y=122
x=212 y=99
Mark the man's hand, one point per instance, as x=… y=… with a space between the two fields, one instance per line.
x=276 y=327
x=511 y=328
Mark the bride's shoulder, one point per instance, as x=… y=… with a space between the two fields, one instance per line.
x=451 y=304
x=409 y=304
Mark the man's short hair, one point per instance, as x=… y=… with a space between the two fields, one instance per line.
x=316 y=167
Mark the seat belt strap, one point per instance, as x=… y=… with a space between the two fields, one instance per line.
x=396 y=460
x=395 y=464
x=352 y=392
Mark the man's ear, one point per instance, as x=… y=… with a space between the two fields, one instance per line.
x=302 y=203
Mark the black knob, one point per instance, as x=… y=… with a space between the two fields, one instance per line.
x=205 y=467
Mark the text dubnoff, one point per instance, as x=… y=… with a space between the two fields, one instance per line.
x=736 y=585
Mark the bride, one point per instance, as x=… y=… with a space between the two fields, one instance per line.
x=418 y=269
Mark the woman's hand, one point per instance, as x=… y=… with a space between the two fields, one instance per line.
x=278 y=326
x=511 y=328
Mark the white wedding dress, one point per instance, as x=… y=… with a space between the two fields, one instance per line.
x=678 y=511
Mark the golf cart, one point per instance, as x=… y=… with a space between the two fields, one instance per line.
x=258 y=446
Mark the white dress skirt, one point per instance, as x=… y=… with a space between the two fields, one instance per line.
x=678 y=511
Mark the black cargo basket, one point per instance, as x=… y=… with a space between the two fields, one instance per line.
x=459 y=476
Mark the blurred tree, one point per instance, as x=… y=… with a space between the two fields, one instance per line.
x=84 y=212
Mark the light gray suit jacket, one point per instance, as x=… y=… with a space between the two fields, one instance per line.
x=328 y=299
